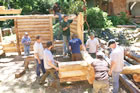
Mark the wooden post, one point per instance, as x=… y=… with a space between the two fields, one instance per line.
x=17 y=37
x=51 y=30
x=80 y=22
x=0 y=35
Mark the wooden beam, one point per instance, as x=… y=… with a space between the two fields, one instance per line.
x=17 y=37
x=133 y=69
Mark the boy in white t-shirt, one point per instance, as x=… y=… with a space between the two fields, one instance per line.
x=49 y=63
x=38 y=55
x=93 y=45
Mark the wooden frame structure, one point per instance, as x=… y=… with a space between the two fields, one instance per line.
x=40 y=25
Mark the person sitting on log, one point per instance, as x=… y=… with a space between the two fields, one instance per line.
x=26 y=41
x=49 y=63
x=93 y=45
x=101 y=66
x=74 y=45
x=56 y=10
x=117 y=63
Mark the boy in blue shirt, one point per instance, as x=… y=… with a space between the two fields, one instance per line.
x=74 y=46
x=26 y=41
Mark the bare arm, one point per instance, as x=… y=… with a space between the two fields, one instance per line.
x=52 y=65
x=64 y=29
x=36 y=54
x=83 y=47
x=111 y=68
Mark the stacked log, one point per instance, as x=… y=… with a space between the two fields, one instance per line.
x=77 y=70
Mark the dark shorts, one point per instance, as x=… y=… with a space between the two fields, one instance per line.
x=93 y=55
x=76 y=57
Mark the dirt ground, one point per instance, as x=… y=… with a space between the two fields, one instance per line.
x=27 y=83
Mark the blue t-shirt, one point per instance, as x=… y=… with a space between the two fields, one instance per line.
x=75 y=45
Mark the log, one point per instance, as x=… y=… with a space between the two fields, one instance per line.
x=126 y=26
x=72 y=79
x=129 y=85
x=20 y=72
x=133 y=69
x=132 y=56
x=75 y=73
x=136 y=77
x=71 y=66
x=11 y=11
x=90 y=71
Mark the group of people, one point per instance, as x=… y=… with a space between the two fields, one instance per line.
x=103 y=69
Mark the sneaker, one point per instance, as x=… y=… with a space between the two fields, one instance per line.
x=38 y=79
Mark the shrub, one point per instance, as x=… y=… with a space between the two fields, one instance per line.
x=97 y=18
x=120 y=20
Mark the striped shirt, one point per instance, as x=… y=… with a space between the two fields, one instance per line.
x=101 y=69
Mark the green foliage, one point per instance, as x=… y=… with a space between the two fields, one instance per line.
x=97 y=18
x=120 y=20
x=71 y=7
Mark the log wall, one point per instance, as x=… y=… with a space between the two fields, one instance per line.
x=34 y=26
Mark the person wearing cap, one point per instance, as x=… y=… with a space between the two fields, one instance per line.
x=56 y=11
x=66 y=34
x=74 y=46
x=38 y=55
x=26 y=41
x=101 y=66
x=93 y=45
x=117 y=63
x=49 y=63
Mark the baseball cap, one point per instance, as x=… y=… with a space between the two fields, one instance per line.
x=111 y=41
x=26 y=33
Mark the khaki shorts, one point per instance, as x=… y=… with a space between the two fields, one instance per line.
x=76 y=57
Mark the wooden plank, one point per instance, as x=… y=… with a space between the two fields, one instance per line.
x=34 y=33
x=11 y=11
x=33 y=20
x=27 y=60
x=33 y=29
x=51 y=30
x=136 y=77
x=72 y=79
x=33 y=23
x=75 y=73
x=134 y=69
x=33 y=26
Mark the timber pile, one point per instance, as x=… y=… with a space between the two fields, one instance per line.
x=11 y=47
x=77 y=70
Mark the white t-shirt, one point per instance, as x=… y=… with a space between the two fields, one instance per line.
x=38 y=48
x=117 y=56
x=48 y=57
x=92 y=45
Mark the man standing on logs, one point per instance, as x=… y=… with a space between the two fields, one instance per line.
x=93 y=45
x=74 y=45
x=101 y=74
x=38 y=54
x=66 y=34
x=49 y=63
x=26 y=41
x=117 y=63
